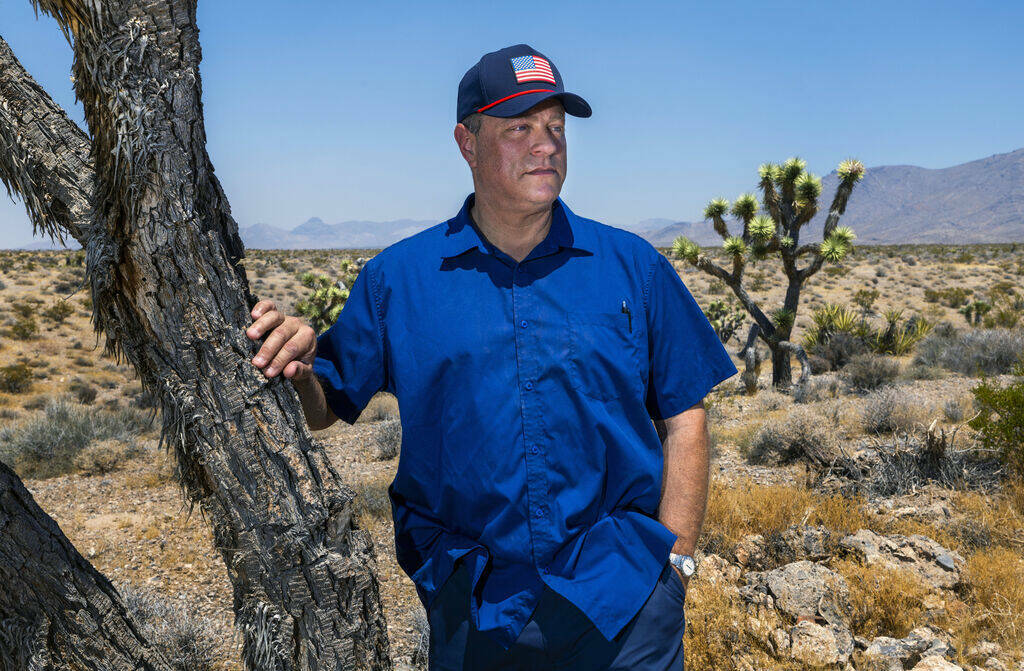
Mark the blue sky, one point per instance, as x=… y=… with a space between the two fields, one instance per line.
x=345 y=110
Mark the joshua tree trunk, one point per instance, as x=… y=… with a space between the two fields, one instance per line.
x=163 y=260
x=44 y=580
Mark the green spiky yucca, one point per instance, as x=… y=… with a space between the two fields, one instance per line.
x=771 y=229
x=323 y=305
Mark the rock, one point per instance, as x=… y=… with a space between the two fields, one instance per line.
x=806 y=588
x=718 y=573
x=898 y=653
x=918 y=554
x=936 y=663
x=750 y=550
x=983 y=650
x=994 y=664
x=812 y=543
x=813 y=596
x=780 y=641
x=815 y=645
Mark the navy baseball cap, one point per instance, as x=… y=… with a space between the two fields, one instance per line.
x=509 y=81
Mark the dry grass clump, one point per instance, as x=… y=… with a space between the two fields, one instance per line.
x=886 y=601
x=718 y=636
x=974 y=352
x=745 y=507
x=104 y=456
x=995 y=594
x=388 y=438
x=372 y=500
x=803 y=433
x=381 y=406
x=46 y=444
x=892 y=409
x=870 y=371
x=188 y=642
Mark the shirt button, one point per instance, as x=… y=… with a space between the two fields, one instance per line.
x=535 y=449
x=537 y=512
x=529 y=385
x=523 y=323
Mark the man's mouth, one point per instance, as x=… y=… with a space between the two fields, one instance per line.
x=541 y=171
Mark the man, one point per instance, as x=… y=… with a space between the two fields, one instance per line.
x=536 y=504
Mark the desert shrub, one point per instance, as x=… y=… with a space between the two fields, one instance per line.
x=870 y=371
x=388 y=438
x=802 y=434
x=819 y=388
x=372 y=499
x=975 y=352
x=839 y=348
x=16 y=378
x=187 y=641
x=46 y=444
x=83 y=392
x=954 y=409
x=913 y=460
x=1000 y=420
x=104 y=456
x=952 y=297
x=421 y=643
x=24 y=328
x=59 y=311
x=891 y=409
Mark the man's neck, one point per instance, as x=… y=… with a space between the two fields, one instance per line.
x=514 y=232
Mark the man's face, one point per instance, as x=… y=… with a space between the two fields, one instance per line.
x=521 y=160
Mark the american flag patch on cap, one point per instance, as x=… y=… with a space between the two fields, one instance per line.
x=532 y=69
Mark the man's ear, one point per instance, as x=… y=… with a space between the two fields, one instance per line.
x=467 y=144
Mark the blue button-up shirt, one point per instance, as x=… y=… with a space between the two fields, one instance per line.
x=526 y=392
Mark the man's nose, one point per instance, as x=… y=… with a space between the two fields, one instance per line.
x=547 y=143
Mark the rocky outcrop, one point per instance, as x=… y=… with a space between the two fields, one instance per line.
x=920 y=555
x=812 y=608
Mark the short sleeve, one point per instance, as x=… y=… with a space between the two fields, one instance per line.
x=350 y=360
x=687 y=359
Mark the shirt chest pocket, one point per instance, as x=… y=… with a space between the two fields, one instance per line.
x=604 y=355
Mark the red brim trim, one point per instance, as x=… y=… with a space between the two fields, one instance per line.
x=521 y=93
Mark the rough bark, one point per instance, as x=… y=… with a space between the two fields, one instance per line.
x=56 y=610
x=170 y=295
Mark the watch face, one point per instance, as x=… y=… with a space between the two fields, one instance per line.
x=689 y=565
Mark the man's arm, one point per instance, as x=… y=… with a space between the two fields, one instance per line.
x=319 y=415
x=684 y=489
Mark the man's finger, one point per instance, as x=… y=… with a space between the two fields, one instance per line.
x=262 y=307
x=273 y=344
x=297 y=371
x=267 y=322
x=292 y=349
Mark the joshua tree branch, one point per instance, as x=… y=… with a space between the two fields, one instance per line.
x=44 y=155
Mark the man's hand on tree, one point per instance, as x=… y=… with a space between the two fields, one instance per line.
x=290 y=345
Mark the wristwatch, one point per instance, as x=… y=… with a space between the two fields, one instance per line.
x=684 y=563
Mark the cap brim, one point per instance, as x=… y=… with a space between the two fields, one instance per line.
x=572 y=103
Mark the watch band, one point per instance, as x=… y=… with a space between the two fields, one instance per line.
x=686 y=564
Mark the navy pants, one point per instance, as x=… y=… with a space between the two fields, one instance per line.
x=558 y=635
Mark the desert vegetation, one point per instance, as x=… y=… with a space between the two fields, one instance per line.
x=887 y=487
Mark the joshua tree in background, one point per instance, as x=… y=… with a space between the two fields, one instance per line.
x=790 y=196
x=164 y=265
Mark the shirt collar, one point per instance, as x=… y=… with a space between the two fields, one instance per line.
x=565 y=231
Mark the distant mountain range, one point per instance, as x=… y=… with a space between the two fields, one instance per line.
x=979 y=201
